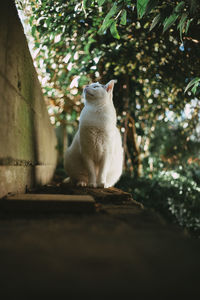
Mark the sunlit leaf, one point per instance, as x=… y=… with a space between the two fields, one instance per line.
x=101 y=2
x=150 y=5
x=114 y=31
x=112 y=11
x=188 y=25
x=105 y=26
x=155 y=21
x=169 y=21
x=194 y=81
x=88 y=45
x=181 y=24
x=194 y=88
x=179 y=7
x=141 y=7
x=123 y=17
x=33 y=30
x=107 y=21
x=86 y=3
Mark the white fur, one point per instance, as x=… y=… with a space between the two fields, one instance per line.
x=95 y=157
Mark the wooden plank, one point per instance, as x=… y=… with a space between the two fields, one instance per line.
x=57 y=203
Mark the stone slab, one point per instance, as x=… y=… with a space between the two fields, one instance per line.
x=41 y=203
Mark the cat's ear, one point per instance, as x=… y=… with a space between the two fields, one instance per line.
x=110 y=85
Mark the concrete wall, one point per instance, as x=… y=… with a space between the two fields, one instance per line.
x=27 y=140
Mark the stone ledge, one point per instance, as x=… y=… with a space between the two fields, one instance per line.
x=45 y=203
x=103 y=196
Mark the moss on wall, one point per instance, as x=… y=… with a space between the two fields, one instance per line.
x=26 y=135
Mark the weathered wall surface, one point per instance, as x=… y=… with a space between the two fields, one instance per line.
x=27 y=140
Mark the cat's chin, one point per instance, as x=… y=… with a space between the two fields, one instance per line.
x=89 y=93
x=86 y=92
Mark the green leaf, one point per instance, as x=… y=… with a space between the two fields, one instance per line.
x=86 y=3
x=179 y=7
x=112 y=11
x=155 y=21
x=33 y=30
x=105 y=26
x=150 y=5
x=114 y=31
x=123 y=17
x=101 y=2
x=108 y=21
x=169 y=21
x=194 y=81
x=88 y=45
x=181 y=24
x=188 y=25
x=31 y=20
x=194 y=89
x=193 y=6
x=141 y=7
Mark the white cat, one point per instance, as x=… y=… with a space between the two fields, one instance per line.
x=95 y=157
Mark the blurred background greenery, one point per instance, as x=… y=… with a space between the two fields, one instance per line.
x=152 y=48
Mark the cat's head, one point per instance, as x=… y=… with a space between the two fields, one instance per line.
x=97 y=93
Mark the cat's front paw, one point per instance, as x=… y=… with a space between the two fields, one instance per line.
x=101 y=185
x=81 y=183
x=92 y=185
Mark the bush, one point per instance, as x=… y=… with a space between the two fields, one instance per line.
x=172 y=193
